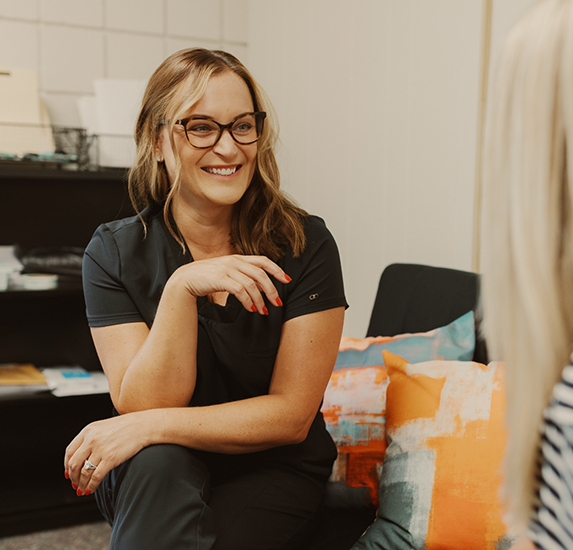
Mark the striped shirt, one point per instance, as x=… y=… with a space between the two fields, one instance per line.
x=551 y=527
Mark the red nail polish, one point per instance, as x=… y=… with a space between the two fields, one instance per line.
x=79 y=492
x=66 y=475
x=289 y=279
x=265 y=311
x=253 y=308
x=74 y=486
x=279 y=302
x=88 y=492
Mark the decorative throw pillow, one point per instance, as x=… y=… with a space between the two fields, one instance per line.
x=440 y=482
x=354 y=405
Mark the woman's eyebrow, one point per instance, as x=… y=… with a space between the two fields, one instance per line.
x=198 y=115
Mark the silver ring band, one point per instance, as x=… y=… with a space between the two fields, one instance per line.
x=89 y=466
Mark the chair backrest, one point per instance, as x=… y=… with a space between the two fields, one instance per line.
x=418 y=298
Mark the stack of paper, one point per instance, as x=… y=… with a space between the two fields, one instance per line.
x=64 y=381
x=25 y=378
x=24 y=122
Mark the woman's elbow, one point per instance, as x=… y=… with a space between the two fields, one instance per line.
x=298 y=431
x=130 y=404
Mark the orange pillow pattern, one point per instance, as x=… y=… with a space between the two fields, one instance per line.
x=354 y=410
x=440 y=482
x=354 y=406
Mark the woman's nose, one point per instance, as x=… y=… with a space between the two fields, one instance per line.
x=226 y=144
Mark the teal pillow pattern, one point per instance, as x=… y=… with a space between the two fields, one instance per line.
x=455 y=342
x=354 y=406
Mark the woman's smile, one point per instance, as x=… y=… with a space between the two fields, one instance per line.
x=225 y=171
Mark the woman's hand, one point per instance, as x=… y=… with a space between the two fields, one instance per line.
x=246 y=277
x=105 y=444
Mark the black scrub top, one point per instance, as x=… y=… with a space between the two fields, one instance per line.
x=125 y=271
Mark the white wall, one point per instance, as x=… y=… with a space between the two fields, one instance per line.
x=378 y=103
x=69 y=43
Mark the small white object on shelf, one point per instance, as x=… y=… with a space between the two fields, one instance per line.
x=9 y=265
x=65 y=381
x=39 y=281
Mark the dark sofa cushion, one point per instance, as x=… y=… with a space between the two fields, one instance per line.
x=418 y=298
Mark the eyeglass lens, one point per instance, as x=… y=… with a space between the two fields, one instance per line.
x=205 y=132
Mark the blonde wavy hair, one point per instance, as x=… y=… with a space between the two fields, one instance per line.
x=528 y=232
x=265 y=220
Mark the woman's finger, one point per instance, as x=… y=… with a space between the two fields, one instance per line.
x=251 y=273
x=248 y=278
x=247 y=291
x=100 y=447
x=268 y=265
x=91 y=476
x=70 y=451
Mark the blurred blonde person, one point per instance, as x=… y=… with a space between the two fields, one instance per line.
x=528 y=268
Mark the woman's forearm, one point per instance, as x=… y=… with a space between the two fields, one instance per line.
x=163 y=372
x=245 y=426
x=239 y=427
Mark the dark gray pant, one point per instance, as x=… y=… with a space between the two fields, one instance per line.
x=167 y=497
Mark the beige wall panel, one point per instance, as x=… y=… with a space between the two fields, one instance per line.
x=87 y=13
x=132 y=55
x=194 y=18
x=378 y=104
x=236 y=20
x=135 y=15
x=71 y=58
x=19 y=44
x=19 y=9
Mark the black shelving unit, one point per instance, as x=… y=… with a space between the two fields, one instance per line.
x=48 y=208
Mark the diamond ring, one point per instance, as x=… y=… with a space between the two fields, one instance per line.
x=89 y=466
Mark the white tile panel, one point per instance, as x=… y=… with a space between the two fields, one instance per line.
x=88 y=13
x=135 y=15
x=132 y=55
x=194 y=18
x=62 y=108
x=236 y=20
x=70 y=58
x=19 y=9
x=19 y=44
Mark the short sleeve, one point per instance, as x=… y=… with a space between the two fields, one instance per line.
x=317 y=282
x=107 y=301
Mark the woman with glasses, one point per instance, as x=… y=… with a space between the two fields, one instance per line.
x=216 y=313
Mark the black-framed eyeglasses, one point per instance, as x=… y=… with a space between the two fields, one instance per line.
x=203 y=132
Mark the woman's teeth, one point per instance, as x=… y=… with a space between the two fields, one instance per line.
x=222 y=171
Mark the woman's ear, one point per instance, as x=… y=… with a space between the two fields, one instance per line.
x=159 y=148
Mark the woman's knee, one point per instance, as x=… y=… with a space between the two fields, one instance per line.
x=165 y=464
x=161 y=501
x=163 y=460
